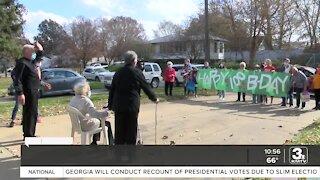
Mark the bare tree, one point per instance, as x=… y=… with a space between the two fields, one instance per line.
x=166 y=28
x=253 y=12
x=286 y=23
x=309 y=12
x=85 y=39
x=105 y=38
x=118 y=35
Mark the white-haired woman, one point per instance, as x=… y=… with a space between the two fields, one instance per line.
x=243 y=66
x=82 y=102
x=169 y=78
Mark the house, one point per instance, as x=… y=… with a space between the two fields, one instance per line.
x=177 y=47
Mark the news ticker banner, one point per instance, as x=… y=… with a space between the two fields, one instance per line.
x=253 y=82
x=179 y=155
x=170 y=172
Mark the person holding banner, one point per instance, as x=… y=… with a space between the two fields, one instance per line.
x=269 y=68
x=243 y=66
x=206 y=65
x=299 y=83
x=221 y=93
x=287 y=68
x=256 y=98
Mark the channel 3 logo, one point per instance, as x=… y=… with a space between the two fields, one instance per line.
x=298 y=155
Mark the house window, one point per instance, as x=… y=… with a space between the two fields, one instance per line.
x=216 y=47
x=221 y=47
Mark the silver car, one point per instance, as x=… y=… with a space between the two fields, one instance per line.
x=62 y=81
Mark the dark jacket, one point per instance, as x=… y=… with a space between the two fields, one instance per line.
x=26 y=76
x=124 y=95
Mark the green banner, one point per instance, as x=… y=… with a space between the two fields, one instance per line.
x=253 y=82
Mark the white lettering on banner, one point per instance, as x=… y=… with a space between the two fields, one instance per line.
x=252 y=82
x=237 y=79
x=206 y=80
x=224 y=75
x=170 y=172
x=266 y=85
x=215 y=77
x=283 y=83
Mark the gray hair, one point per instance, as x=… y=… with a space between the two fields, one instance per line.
x=80 y=88
x=130 y=57
x=268 y=61
x=169 y=63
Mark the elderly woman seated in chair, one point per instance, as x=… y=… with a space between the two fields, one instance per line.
x=82 y=102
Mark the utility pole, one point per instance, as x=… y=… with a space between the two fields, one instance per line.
x=206 y=28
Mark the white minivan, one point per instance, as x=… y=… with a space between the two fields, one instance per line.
x=152 y=73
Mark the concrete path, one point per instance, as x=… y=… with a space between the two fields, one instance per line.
x=203 y=120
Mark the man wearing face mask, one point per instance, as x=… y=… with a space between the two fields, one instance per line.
x=27 y=84
x=124 y=99
x=140 y=65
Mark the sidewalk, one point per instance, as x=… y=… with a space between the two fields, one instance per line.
x=9 y=165
x=203 y=120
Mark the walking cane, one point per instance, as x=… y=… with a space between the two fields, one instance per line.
x=156 y=124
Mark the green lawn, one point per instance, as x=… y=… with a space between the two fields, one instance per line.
x=309 y=135
x=96 y=85
x=52 y=106
x=4 y=84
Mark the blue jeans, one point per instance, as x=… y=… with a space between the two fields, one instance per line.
x=15 y=108
x=290 y=96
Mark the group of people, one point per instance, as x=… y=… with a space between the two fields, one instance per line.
x=189 y=74
x=124 y=100
x=124 y=97
x=125 y=92
x=299 y=82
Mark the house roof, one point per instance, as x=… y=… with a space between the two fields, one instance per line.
x=175 y=38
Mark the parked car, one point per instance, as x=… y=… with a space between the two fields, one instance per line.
x=152 y=73
x=94 y=73
x=308 y=71
x=106 y=78
x=9 y=69
x=62 y=82
x=97 y=65
x=179 y=67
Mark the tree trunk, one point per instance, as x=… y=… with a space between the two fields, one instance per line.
x=5 y=70
x=268 y=36
x=253 y=49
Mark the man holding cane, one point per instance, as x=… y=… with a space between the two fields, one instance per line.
x=124 y=99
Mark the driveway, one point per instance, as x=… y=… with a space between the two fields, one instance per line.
x=204 y=120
